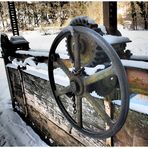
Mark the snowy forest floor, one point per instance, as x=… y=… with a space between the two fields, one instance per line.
x=13 y=130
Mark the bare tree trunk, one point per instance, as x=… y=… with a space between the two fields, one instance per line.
x=144 y=12
x=145 y=23
x=134 y=16
x=2 y=19
x=1 y=14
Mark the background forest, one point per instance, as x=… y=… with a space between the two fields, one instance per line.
x=132 y=15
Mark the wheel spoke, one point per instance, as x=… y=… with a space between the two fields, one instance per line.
x=77 y=65
x=79 y=111
x=77 y=60
x=99 y=76
x=63 y=91
x=99 y=109
x=61 y=64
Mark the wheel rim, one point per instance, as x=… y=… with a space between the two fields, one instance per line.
x=120 y=73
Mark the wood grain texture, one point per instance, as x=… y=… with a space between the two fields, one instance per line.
x=135 y=130
x=46 y=115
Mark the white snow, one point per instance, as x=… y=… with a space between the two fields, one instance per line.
x=91 y=21
x=139 y=44
x=16 y=132
x=103 y=29
x=92 y=70
x=61 y=50
x=16 y=62
x=59 y=76
x=42 y=66
x=34 y=53
x=94 y=94
x=138 y=103
x=136 y=64
x=51 y=31
x=37 y=72
x=116 y=39
x=38 y=41
x=12 y=66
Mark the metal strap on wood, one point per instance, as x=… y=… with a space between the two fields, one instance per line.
x=23 y=90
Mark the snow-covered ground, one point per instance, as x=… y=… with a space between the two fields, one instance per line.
x=13 y=131
x=139 y=44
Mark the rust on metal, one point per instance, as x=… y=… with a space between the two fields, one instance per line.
x=138 y=80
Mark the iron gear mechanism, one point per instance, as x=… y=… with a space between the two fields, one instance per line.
x=92 y=54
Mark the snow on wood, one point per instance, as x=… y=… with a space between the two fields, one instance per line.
x=136 y=64
x=61 y=50
x=42 y=66
x=33 y=53
x=12 y=66
x=116 y=39
x=60 y=76
x=138 y=103
x=29 y=61
x=103 y=29
x=37 y=74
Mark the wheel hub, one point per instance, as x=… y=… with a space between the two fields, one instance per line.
x=77 y=86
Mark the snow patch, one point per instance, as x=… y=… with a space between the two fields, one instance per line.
x=139 y=45
x=94 y=94
x=138 y=103
x=33 y=53
x=103 y=28
x=61 y=50
x=92 y=70
x=136 y=64
x=16 y=132
x=116 y=39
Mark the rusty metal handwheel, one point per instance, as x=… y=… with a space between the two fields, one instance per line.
x=79 y=82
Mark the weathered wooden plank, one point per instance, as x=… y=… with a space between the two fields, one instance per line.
x=39 y=96
x=108 y=109
x=135 y=130
x=42 y=110
x=137 y=78
x=17 y=90
x=45 y=114
x=50 y=129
